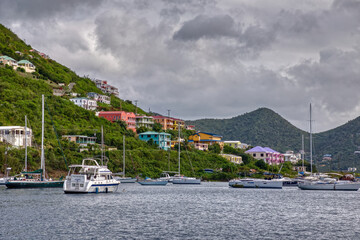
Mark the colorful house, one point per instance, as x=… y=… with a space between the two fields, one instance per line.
x=8 y=61
x=233 y=144
x=106 y=88
x=169 y=123
x=163 y=140
x=269 y=155
x=28 y=66
x=80 y=139
x=233 y=158
x=207 y=138
x=128 y=117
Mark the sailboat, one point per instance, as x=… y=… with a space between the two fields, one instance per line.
x=35 y=179
x=178 y=179
x=323 y=183
x=125 y=179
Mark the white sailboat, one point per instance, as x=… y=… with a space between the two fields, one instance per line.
x=323 y=183
x=178 y=179
x=90 y=177
x=125 y=179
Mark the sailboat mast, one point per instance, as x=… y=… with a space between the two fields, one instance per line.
x=179 y=149
x=303 y=152
x=25 y=144
x=102 y=146
x=42 y=137
x=124 y=155
x=311 y=160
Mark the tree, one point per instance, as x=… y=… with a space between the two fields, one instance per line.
x=215 y=148
x=157 y=127
x=142 y=129
x=261 y=164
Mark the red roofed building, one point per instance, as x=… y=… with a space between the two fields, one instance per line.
x=128 y=117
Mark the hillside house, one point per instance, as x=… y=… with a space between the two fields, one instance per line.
x=163 y=140
x=85 y=103
x=128 y=117
x=201 y=146
x=80 y=139
x=207 y=138
x=28 y=66
x=99 y=98
x=169 y=123
x=5 y=60
x=269 y=155
x=232 y=158
x=144 y=121
x=233 y=144
x=106 y=88
x=15 y=135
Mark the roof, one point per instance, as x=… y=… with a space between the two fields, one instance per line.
x=77 y=136
x=25 y=62
x=261 y=149
x=151 y=132
x=232 y=142
x=164 y=117
x=8 y=58
x=211 y=134
x=12 y=127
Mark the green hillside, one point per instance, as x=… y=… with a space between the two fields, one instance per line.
x=264 y=127
x=20 y=95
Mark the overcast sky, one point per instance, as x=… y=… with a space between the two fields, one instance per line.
x=208 y=59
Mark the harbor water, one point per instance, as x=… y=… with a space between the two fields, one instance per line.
x=206 y=211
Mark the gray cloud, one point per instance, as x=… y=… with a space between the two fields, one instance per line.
x=207 y=58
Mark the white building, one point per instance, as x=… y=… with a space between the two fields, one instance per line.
x=15 y=135
x=106 y=88
x=290 y=156
x=144 y=121
x=99 y=98
x=28 y=66
x=85 y=103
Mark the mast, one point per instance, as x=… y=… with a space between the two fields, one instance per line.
x=311 y=160
x=302 y=151
x=42 y=137
x=25 y=144
x=179 y=150
x=124 y=155
x=102 y=146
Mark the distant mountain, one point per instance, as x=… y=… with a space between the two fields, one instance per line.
x=264 y=127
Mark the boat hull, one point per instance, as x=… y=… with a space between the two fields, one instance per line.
x=153 y=183
x=186 y=181
x=126 y=180
x=34 y=184
x=256 y=184
x=90 y=188
x=329 y=186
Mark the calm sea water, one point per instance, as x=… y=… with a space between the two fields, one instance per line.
x=206 y=211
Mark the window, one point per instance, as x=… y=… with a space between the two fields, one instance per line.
x=254 y=154
x=261 y=154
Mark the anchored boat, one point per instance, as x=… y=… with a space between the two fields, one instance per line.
x=255 y=183
x=90 y=177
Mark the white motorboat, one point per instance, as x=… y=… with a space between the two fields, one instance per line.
x=90 y=177
x=185 y=180
x=255 y=183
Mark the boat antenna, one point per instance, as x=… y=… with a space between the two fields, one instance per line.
x=311 y=157
x=42 y=137
x=25 y=169
x=124 y=155
x=179 y=149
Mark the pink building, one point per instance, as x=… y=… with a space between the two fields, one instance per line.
x=269 y=155
x=128 y=117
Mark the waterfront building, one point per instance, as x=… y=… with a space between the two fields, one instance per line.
x=85 y=103
x=207 y=138
x=232 y=158
x=27 y=66
x=15 y=135
x=99 y=97
x=144 y=121
x=267 y=154
x=80 y=139
x=128 y=117
x=163 y=140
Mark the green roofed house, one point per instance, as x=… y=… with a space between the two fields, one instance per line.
x=6 y=60
x=28 y=66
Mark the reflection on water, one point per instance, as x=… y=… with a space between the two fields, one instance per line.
x=206 y=211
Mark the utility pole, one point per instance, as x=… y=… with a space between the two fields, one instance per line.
x=168 y=112
x=136 y=101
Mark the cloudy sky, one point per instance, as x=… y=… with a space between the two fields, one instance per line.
x=208 y=59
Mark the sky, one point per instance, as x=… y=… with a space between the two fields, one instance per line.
x=205 y=58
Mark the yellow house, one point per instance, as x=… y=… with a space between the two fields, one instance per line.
x=233 y=158
x=233 y=144
x=208 y=138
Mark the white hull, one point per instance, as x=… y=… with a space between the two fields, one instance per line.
x=255 y=183
x=154 y=182
x=107 y=186
x=126 y=180
x=186 y=180
x=330 y=186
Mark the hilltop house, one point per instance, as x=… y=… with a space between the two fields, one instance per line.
x=233 y=144
x=106 y=88
x=99 y=98
x=85 y=103
x=169 y=123
x=204 y=137
x=15 y=135
x=269 y=155
x=232 y=158
x=28 y=66
x=163 y=140
x=80 y=139
x=127 y=117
